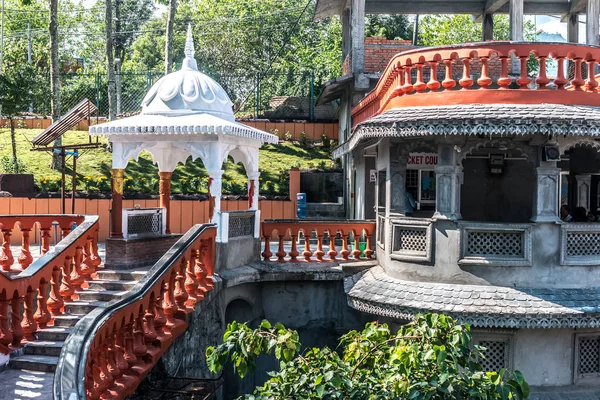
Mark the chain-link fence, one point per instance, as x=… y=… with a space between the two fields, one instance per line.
x=274 y=96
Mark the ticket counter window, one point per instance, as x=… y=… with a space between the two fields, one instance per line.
x=427 y=187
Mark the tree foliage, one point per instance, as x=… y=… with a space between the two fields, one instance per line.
x=439 y=30
x=391 y=26
x=430 y=358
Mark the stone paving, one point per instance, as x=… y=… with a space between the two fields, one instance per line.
x=16 y=384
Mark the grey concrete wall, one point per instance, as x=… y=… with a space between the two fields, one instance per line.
x=497 y=198
x=322 y=187
x=237 y=252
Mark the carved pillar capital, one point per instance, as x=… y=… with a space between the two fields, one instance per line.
x=545 y=205
x=117 y=179
x=116 y=213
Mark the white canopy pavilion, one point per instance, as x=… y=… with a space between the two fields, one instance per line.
x=184 y=114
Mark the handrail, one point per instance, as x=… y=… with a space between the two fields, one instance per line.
x=65 y=268
x=113 y=348
x=397 y=89
x=348 y=230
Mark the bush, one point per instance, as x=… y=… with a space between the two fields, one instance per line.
x=430 y=358
x=7 y=166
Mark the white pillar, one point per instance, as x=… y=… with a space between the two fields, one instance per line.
x=214 y=191
x=449 y=178
x=592 y=22
x=584 y=184
x=253 y=190
x=545 y=204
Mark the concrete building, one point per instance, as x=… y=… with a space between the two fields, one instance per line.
x=489 y=149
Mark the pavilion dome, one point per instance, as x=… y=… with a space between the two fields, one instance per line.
x=188 y=91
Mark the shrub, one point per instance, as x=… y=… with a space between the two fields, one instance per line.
x=8 y=166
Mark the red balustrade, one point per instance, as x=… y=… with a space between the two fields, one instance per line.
x=32 y=305
x=287 y=232
x=133 y=337
x=395 y=88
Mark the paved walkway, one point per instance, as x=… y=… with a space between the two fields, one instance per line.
x=16 y=384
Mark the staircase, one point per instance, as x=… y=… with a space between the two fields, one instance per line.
x=42 y=354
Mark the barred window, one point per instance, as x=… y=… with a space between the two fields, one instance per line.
x=587 y=355
x=497 y=352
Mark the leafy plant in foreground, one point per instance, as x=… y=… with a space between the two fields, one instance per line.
x=429 y=358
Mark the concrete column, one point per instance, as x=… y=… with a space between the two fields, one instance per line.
x=488 y=27
x=592 y=22
x=164 y=191
x=116 y=213
x=253 y=190
x=545 y=199
x=573 y=28
x=397 y=182
x=515 y=11
x=215 y=182
x=358 y=43
x=346 y=38
x=584 y=185
x=449 y=178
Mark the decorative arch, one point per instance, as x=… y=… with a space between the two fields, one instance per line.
x=495 y=143
x=571 y=142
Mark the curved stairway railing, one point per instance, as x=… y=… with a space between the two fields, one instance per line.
x=66 y=268
x=114 y=347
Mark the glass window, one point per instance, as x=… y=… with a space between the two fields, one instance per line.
x=427 y=191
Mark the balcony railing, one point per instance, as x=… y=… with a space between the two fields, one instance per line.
x=530 y=85
x=580 y=244
x=38 y=293
x=350 y=233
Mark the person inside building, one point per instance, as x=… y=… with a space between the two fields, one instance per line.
x=580 y=215
x=592 y=217
x=565 y=213
x=409 y=204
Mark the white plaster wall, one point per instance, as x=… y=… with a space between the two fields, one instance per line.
x=544 y=356
x=359 y=194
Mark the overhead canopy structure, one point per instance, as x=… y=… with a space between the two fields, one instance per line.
x=185 y=114
x=84 y=110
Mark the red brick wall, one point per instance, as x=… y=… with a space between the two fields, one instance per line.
x=379 y=51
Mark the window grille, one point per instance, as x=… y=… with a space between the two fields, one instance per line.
x=499 y=244
x=143 y=222
x=411 y=240
x=589 y=356
x=412 y=178
x=241 y=224
x=495 y=355
x=583 y=244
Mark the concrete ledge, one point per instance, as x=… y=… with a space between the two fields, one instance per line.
x=137 y=252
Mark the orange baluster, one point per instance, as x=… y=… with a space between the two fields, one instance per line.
x=99 y=377
x=6 y=259
x=294 y=252
x=15 y=320
x=107 y=378
x=159 y=316
x=87 y=265
x=523 y=80
x=42 y=315
x=45 y=240
x=191 y=283
x=281 y=252
x=577 y=81
x=29 y=324
x=560 y=81
x=25 y=258
x=448 y=83
x=332 y=251
x=168 y=305
x=66 y=288
x=149 y=332
x=356 y=252
x=139 y=347
x=201 y=276
x=591 y=84
x=466 y=81
x=179 y=293
x=6 y=336
x=504 y=80
x=407 y=88
x=129 y=355
x=542 y=80
x=90 y=389
x=368 y=251
x=267 y=253
x=55 y=302
x=208 y=258
x=95 y=257
x=420 y=86
x=345 y=252
x=320 y=253
x=307 y=253
x=77 y=278
x=433 y=84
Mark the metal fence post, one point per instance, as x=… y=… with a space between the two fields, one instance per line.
x=98 y=91
x=311 y=113
x=149 y=83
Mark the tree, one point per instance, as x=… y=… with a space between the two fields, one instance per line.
x=392 y=26
x=110 y=65
x=431 y=358
x=18 y=87
x=169 y=35
x=440 y=30
x=54 y=75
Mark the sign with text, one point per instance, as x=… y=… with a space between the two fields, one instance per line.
x=422 y=159
x=373 y=175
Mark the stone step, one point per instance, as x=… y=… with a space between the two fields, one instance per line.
x=43 y=348
x=34 y=363
x=122 y=275
x=102 y=285
x=101 y=295
x=57 y=334
x=66 y=320
x=81 y=307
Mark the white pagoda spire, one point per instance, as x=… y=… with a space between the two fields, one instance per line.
x=189 y=62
